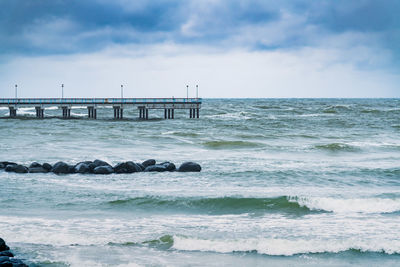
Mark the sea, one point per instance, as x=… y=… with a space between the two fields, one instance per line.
x=284 y=182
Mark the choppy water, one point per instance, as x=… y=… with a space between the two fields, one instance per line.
x=284 y=182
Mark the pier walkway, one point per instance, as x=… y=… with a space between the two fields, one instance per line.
x=119 y=104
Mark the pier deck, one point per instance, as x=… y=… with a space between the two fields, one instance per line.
x=118 y=104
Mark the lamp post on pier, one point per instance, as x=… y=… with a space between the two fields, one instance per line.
x=122 y=91
x=197 y=91
x=16 y=91
x=62 y=91
x=187 y=91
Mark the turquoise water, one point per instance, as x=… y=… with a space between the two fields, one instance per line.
x=285 y=182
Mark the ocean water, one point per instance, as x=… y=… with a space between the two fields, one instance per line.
x=285 y=182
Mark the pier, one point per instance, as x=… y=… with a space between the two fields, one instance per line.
x=143 y=105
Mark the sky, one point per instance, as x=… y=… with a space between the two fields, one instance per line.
x=229 y=48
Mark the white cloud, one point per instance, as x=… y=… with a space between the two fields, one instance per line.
x=164 y=71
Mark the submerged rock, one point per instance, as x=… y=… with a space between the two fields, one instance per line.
x=189 y=167
x=141 y=166
x=103 y=170
x=16 y=168
x=6 y=253
x=4 y=164
x=99 y=163
x=156 y=168
x=148 y=163
x=60 y=167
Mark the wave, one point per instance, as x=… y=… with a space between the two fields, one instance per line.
x=222 y=205
x=289 y=205
x=267 y=246
x=231 y=144
x=336 y=147
x=353 y=205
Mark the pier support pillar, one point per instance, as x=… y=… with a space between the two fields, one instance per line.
x=39 y=112
x=165 y=113
x=172 y=113
x=144 y=113
x=118 y=113
x=92 y=112
x=13 y=112
x=191 y=113
x=147 y=114
x=198 y=111
x=169 y=113
x=66 y=112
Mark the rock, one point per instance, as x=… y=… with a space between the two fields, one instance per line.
x=189 y=167
x=3 y=245
x=6 y=253
x=141 y=166
x=156 y=168
x=127 y=167
x=5 y=261
x=47 y=166
x=37 y=170
x=16 y=168
x=60 y=167
x=148 y=163
x=103 y=170
x=82 y=168
x=35 y=165
x=169 y=166
x=99 y=163
x=17 y=263
x=5 y=163
x=71 y=169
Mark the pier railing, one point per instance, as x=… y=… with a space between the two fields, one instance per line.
x=97 y=101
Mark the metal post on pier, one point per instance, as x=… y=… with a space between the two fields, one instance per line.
x=197 y=91
x=16 y=91
x=187 y=91
x=122 y=91
x=62 y=91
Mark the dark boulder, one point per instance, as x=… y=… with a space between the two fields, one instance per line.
x=16 y=168
x=103 y=170
x=6 y=253
x=47 y=166
x=141 y=166
x=71 y=169
x=82 y=168
x=60 y=167
x=99 y=163
x=169 y=166
x=37 y=170
x=3 y=245
x=35 y=165
x=189 y=167
x=156 y=168
x=127 y=167
x=5 y=261
x=5 y=163
x=17 y=263
x=148 y=163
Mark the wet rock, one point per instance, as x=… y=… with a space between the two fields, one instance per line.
x=16 y=168
x=103 y=170
x=156 y=168
x=60 y=167
x=3 y=245
x=47 y=166
x=4 y=164
x=17 y=263
x=6 y=253
x=82 y=168
x=37 y=170
x=127 y=167
x=35 y=165
x=189 y=167
x=141 y=166
x=99 y=163
x=5 y=261
x=71 y=169
x=169 y=166
x=148 y=163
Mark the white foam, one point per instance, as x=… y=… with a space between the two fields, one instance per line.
x=285 y=247
x=353 y=205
